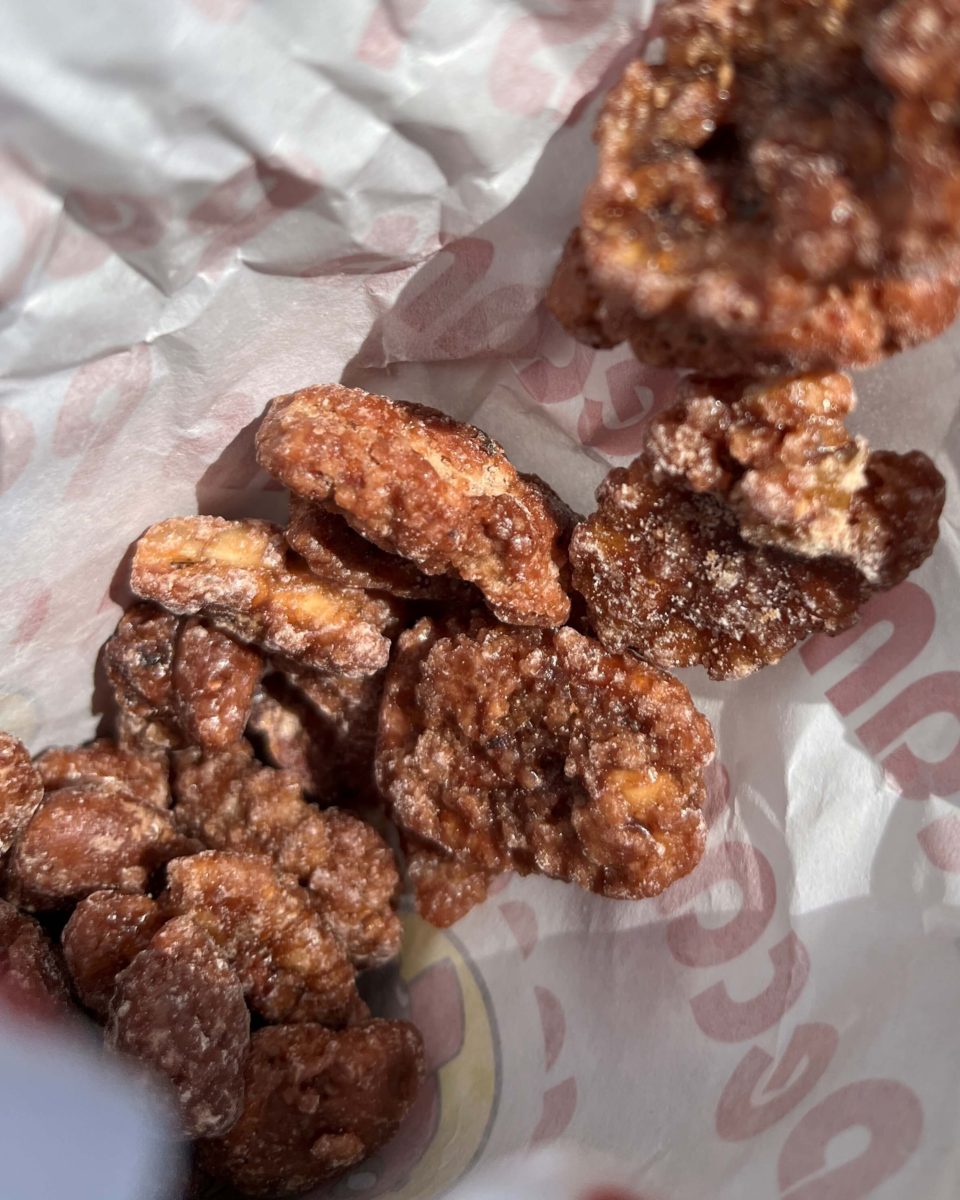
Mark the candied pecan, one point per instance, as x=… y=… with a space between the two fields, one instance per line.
x=334 y=551
x=138 y=661
x=291 y=966
x=782 y=193
x=779 y=455
x=105 y=933
x=537 y=750
x=21 y=789
x=665 y=571
x=422 y=485
x=87 y=837
x=350 y=869
x=444 y=888
x=179 y=1009
x=317 y=1102
x=139 y=775
x=231 y=802
x=214 y=679
x=31 y=974
x=898 y=511
x=242 y=577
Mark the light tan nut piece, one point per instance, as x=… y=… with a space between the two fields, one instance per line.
x=317 y=1102
x=141 y=776
x=779 y=455
x=87 y=837
x=231 y=802
x=291 y=966
x=421 y=485
x=21 y=789
x=214 y=680
x=105 y=933
x=179 y=1009
x=241 y=576
x=31 y=973
x=539 y=751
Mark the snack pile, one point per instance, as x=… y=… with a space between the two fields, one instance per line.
x=436 y=672
x=207 y=881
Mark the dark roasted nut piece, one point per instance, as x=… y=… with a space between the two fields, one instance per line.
x=178 y=682
x=87 y=837
x=422 y=485
x=179 y=1009
x=349 y=709
x=444 y=888
x=317 y=1102
x=334 y=551
x=780 y=456
x=21 y=789
x=242 y=577
x=138 y=661
x=666 y=572
x=322 y=726
x=533 y=750
x=231 y=802
x=781 y=194
x=105 y=933
x=289 y=733
x=214 y=679
x=899 y=511
x=31 y=975
x=140 y=776
x=291 y=967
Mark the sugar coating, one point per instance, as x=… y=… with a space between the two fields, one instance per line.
x=105 y=933
x=780 y=194
x=242 y=577
x=21 y=789
x=230 y=802
x=538 y=750
x=86 y=837
x=179 y=1009
x=421 y=485
x=291 y=966
x=317 y=1102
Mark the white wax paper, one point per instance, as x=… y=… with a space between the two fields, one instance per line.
x=204 y=203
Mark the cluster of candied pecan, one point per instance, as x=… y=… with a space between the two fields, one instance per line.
x=435 y=652
x=751 y=520
x=207 y=882
x=776 y=199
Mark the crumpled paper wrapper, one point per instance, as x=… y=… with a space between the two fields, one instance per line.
x=206 y=203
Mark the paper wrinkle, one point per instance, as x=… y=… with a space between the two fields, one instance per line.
x=213 y=202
